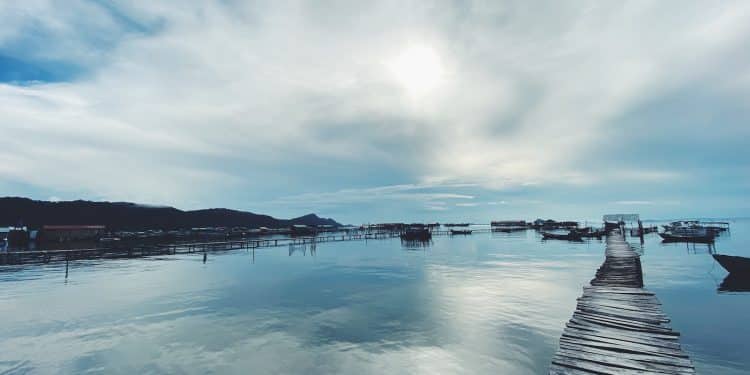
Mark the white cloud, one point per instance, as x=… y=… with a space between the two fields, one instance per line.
x=231 y=95
x=408 y=192
x=495 y=203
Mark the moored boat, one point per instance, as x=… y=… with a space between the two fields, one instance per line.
x=734 y=264
x=460 y=231
x=690 y=234
x=508 y=225
x=570 y=236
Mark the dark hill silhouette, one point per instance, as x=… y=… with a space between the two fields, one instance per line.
x=132 y=216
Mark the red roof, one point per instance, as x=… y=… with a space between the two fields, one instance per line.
x=72 y=227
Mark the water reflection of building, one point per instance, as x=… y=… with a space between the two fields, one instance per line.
x=416 y=244
x=303 y=248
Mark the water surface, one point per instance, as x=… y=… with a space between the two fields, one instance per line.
x=486 y=303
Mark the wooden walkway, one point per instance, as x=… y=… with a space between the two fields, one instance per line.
x=618 y=327
x=142 y=250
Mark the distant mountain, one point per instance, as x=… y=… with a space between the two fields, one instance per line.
x=313 y=219
x=131 y=216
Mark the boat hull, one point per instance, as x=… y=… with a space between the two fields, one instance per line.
x=734 y=264
x=667 y=237
x=565 y=237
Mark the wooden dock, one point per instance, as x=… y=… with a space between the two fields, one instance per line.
x=136 y=250
x=618 y=326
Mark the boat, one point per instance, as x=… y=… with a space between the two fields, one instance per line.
x=688 y=234
x=416 y=234
x=457 y=225
x=508 y=225
x=713 y=227
x=734 y=264
x=570 y=236
x=671 y=237
x=460 y=231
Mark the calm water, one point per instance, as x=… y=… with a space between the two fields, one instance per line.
x=478 y=304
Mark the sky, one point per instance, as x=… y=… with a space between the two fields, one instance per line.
x=381 y=111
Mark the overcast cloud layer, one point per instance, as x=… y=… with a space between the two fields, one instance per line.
x=537 y=109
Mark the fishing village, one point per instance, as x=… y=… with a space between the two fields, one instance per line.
x=618 y=325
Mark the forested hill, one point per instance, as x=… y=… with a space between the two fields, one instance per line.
x=132 y=216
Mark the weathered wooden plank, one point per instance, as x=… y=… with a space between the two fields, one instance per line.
x=596 y=367
x=605 y=305
x=623 y=343
x=663 y=360
x=624 y=360
x=555 y=369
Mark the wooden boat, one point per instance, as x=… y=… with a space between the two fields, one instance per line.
x=571 y=236
x=416 y=234
x=464 y=232
x=687 y=237
x=508 y=229
x=508 y=225
x=734 y=264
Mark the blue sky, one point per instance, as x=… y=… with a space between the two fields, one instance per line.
x=394 y=110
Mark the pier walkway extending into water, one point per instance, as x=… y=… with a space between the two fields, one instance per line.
x=618 y=326
x=144 y=250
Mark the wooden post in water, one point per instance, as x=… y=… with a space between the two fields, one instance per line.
x=640 y=230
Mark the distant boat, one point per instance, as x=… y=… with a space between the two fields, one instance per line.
x=570 y=236
x=712 y=227
x=508 y=225
x=464 y=232
x=734 y=264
